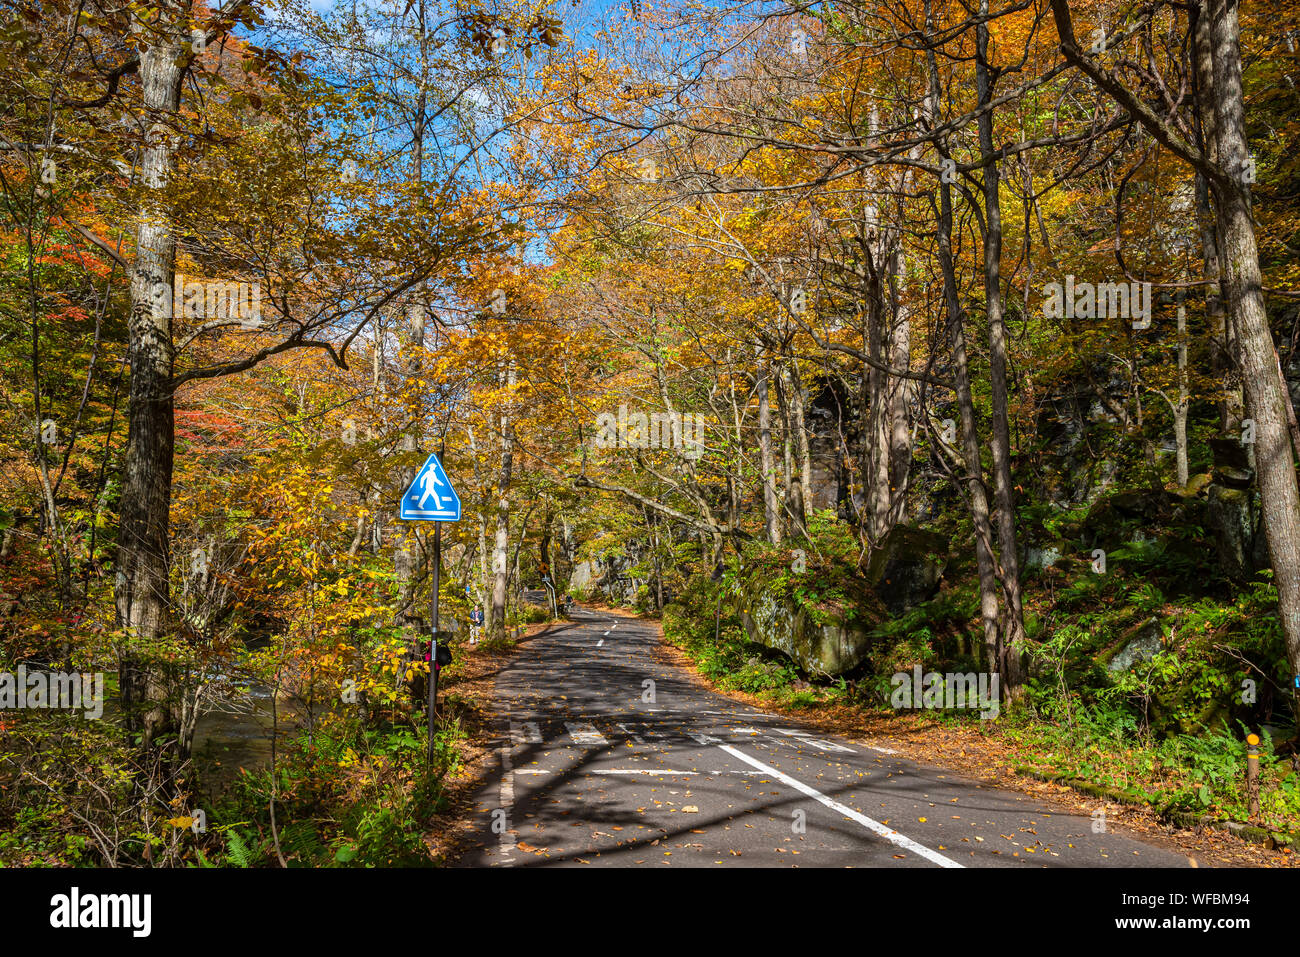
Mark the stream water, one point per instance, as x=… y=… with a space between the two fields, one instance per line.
x=236 y=734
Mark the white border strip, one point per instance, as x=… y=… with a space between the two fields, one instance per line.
x=887 y=833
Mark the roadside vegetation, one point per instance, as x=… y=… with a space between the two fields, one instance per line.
x=1170 y=732
x=850 y=337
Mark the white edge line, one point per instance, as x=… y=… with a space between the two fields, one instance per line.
x=887 y=833
x=507 y=804
x=638 y=771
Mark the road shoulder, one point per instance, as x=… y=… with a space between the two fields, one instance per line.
x=469 y=695
x=985 y=758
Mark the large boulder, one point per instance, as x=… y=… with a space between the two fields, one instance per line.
x=829 y=648
x=583 y=575
x=829 y=640
x=1139 y=644
x=1214 y=502
x=905 y=571
x=1228 y=514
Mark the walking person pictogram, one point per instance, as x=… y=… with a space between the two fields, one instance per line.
x=429 y=483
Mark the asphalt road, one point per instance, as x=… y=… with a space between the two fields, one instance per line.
x=610 y=756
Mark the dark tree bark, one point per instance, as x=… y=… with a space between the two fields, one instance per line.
x=1265 y=394
x=1266 y=398
x=1013 y=630
x=767 y=463
x=976 y=492
x=141 y=592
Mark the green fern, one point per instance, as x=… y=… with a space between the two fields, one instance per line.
x=237 y=849
x=300 y=840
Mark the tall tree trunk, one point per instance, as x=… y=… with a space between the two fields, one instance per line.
x=501 y=545
x=900 y=392
x=976 y=492
x=141 y=592
x=801 y=501
x=1180 y=405
x=771 y=507
x=406 y=561
x=1013 y=631
x=875 y=446
x=1221 y=362
x=787 y=493
x=1265 y=396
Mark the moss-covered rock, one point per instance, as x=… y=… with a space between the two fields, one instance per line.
x=905 y=571
x=1228 y=516
x=830 y=639
x=831 y=648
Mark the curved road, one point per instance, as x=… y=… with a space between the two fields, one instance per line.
x=611 y=756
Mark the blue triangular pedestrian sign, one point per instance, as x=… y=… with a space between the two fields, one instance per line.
x=430 y=497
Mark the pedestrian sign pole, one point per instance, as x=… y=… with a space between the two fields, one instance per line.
x=431 y=498
x=546 y=580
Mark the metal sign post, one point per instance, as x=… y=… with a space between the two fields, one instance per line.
x=433 y=642
x=546 y=580
x=432 y=483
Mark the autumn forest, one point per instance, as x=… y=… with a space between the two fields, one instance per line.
x=827 y=343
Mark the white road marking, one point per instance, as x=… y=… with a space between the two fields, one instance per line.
x=882 y=750
x=887 y=833
x=829 y=745
x=583 y=732
x=631 y=734
x=525 y=733
x=637 y=771
x=806 y=738
x=531 y=771
x=507 y=804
